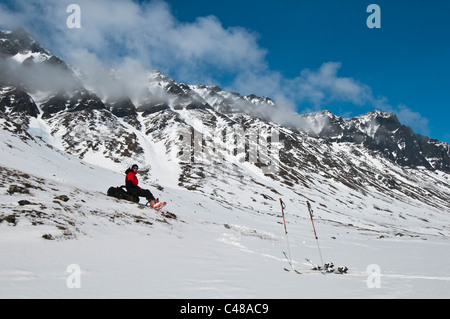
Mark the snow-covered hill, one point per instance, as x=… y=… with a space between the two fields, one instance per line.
x=380 y=193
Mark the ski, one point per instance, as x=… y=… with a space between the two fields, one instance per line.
x=306 y=271
x=147 y=205
x=290 y=264
x=160 y=207
x=287 y=258
x=293 y=270
x=310 y=262
x=314 y=266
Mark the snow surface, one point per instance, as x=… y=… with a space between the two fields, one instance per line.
x=213 y=249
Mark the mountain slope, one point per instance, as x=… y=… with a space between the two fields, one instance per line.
x=206 y=140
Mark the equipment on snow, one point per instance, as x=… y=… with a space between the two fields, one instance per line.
x=328 y=267
x=314 y=266
x=314 y=228
x=156 y=204
x=283 y=207
x=342 y=270
x=120 y=192
x=294 y=270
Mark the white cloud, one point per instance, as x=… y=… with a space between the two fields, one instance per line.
x=312 y=88
x=324 y=85
x=151 y=34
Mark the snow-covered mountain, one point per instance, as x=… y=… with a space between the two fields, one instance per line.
x=222 y=161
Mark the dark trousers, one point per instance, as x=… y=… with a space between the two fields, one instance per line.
x=141 y=193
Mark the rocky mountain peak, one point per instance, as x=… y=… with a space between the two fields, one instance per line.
x=19 y=41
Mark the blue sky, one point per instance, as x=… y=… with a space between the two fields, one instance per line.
x=306 y=55
x=406 y=61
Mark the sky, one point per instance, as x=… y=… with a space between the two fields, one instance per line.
x=305 y=55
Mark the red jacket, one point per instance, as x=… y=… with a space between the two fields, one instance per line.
x=131 y=180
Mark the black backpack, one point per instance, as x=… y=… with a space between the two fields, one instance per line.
x=121 y=193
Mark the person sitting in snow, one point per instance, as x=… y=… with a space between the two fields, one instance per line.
x=131 y=183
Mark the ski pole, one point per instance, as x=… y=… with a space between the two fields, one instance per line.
x=283 y=207
x=314 y=228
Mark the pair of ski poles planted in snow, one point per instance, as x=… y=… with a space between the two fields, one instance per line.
x=283 y=207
